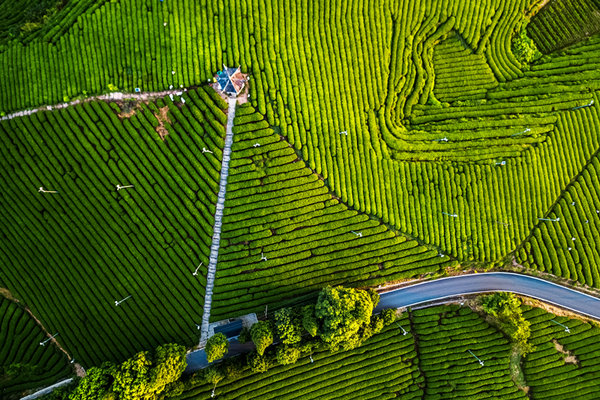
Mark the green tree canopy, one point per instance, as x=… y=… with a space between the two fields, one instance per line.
x=341 y=313
x=216 y=347
x=506 y=307
x=287 y=354
x=258 y=362
x=262 y=335
x=309 y=320
x=95 y=384
x=141 y=377
x=289 y=325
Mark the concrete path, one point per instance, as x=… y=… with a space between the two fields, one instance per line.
x=47 y=390
x=537 y=288
x=114 y=96
x=214 y=247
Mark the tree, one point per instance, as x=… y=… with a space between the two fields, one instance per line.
x=287 y=354
x=377 y=324
x=132 y=379
x=262 y=336
x=389 y=316
x=288 y=325
x=213 y=375
x=244 y=335
x=216 y=347
x=524 y=48
x=233 y=367
x=506 y=307
x=341 y=313
x=309 y=320
x=258 y=362
x=96 y=383
x=169 y=364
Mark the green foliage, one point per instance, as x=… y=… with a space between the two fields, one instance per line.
x=139 y=378
x=506 y=307
x=524 y=47
x=213 y=374
x=258 y=363
x=244 y=335
x=309 y=320
x=289 y=325
x=262 y=335
x=96 y=383
x=389 y=316
x=287 y=354
x=216 y=347
x=233 y=367
x=341 y=313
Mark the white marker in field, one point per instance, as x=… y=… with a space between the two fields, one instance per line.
x=343 y=133
x=262 y=257
x=500 y=163
x=49 y=339
x=444 y=139
x=198 y=326
x=256 y=145
x=117 y=302
x=119 y=187
x=564 y=326
x=42 y=190
x=403 y=331
x=196 y=271
x=450 y=215
x=549 y=219
x=205 y=150
x=520 y=133
x=359 y=234
x=480 y=361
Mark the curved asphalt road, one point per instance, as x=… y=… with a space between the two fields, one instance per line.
x=444 y=288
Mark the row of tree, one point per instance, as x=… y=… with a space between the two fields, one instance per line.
x=341 y=319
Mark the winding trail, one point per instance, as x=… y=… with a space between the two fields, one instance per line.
x=216 y=238
x=455 y=286
x=114 y=96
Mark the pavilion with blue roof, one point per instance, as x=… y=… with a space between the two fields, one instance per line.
x=231 y=80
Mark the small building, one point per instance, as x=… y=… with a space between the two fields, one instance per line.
x=231 y=81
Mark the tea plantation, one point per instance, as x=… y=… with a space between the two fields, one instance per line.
x=24 y=363
x=375 y=141
x=432 y=361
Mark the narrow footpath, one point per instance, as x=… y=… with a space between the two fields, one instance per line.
x=113 y=96
x=216 y=238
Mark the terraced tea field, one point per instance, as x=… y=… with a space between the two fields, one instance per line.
x=433 y=361
x=24 y=363
x=75 y=252
x=381 y=141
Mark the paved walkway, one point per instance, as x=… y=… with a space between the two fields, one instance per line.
x=114 y=96
x=455 y=286
x=214 y=247
x=47 y=390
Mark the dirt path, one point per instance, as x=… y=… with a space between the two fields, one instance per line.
x=114 y=96
x=79 y=371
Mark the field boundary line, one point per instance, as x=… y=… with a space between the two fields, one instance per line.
x=216 y=238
